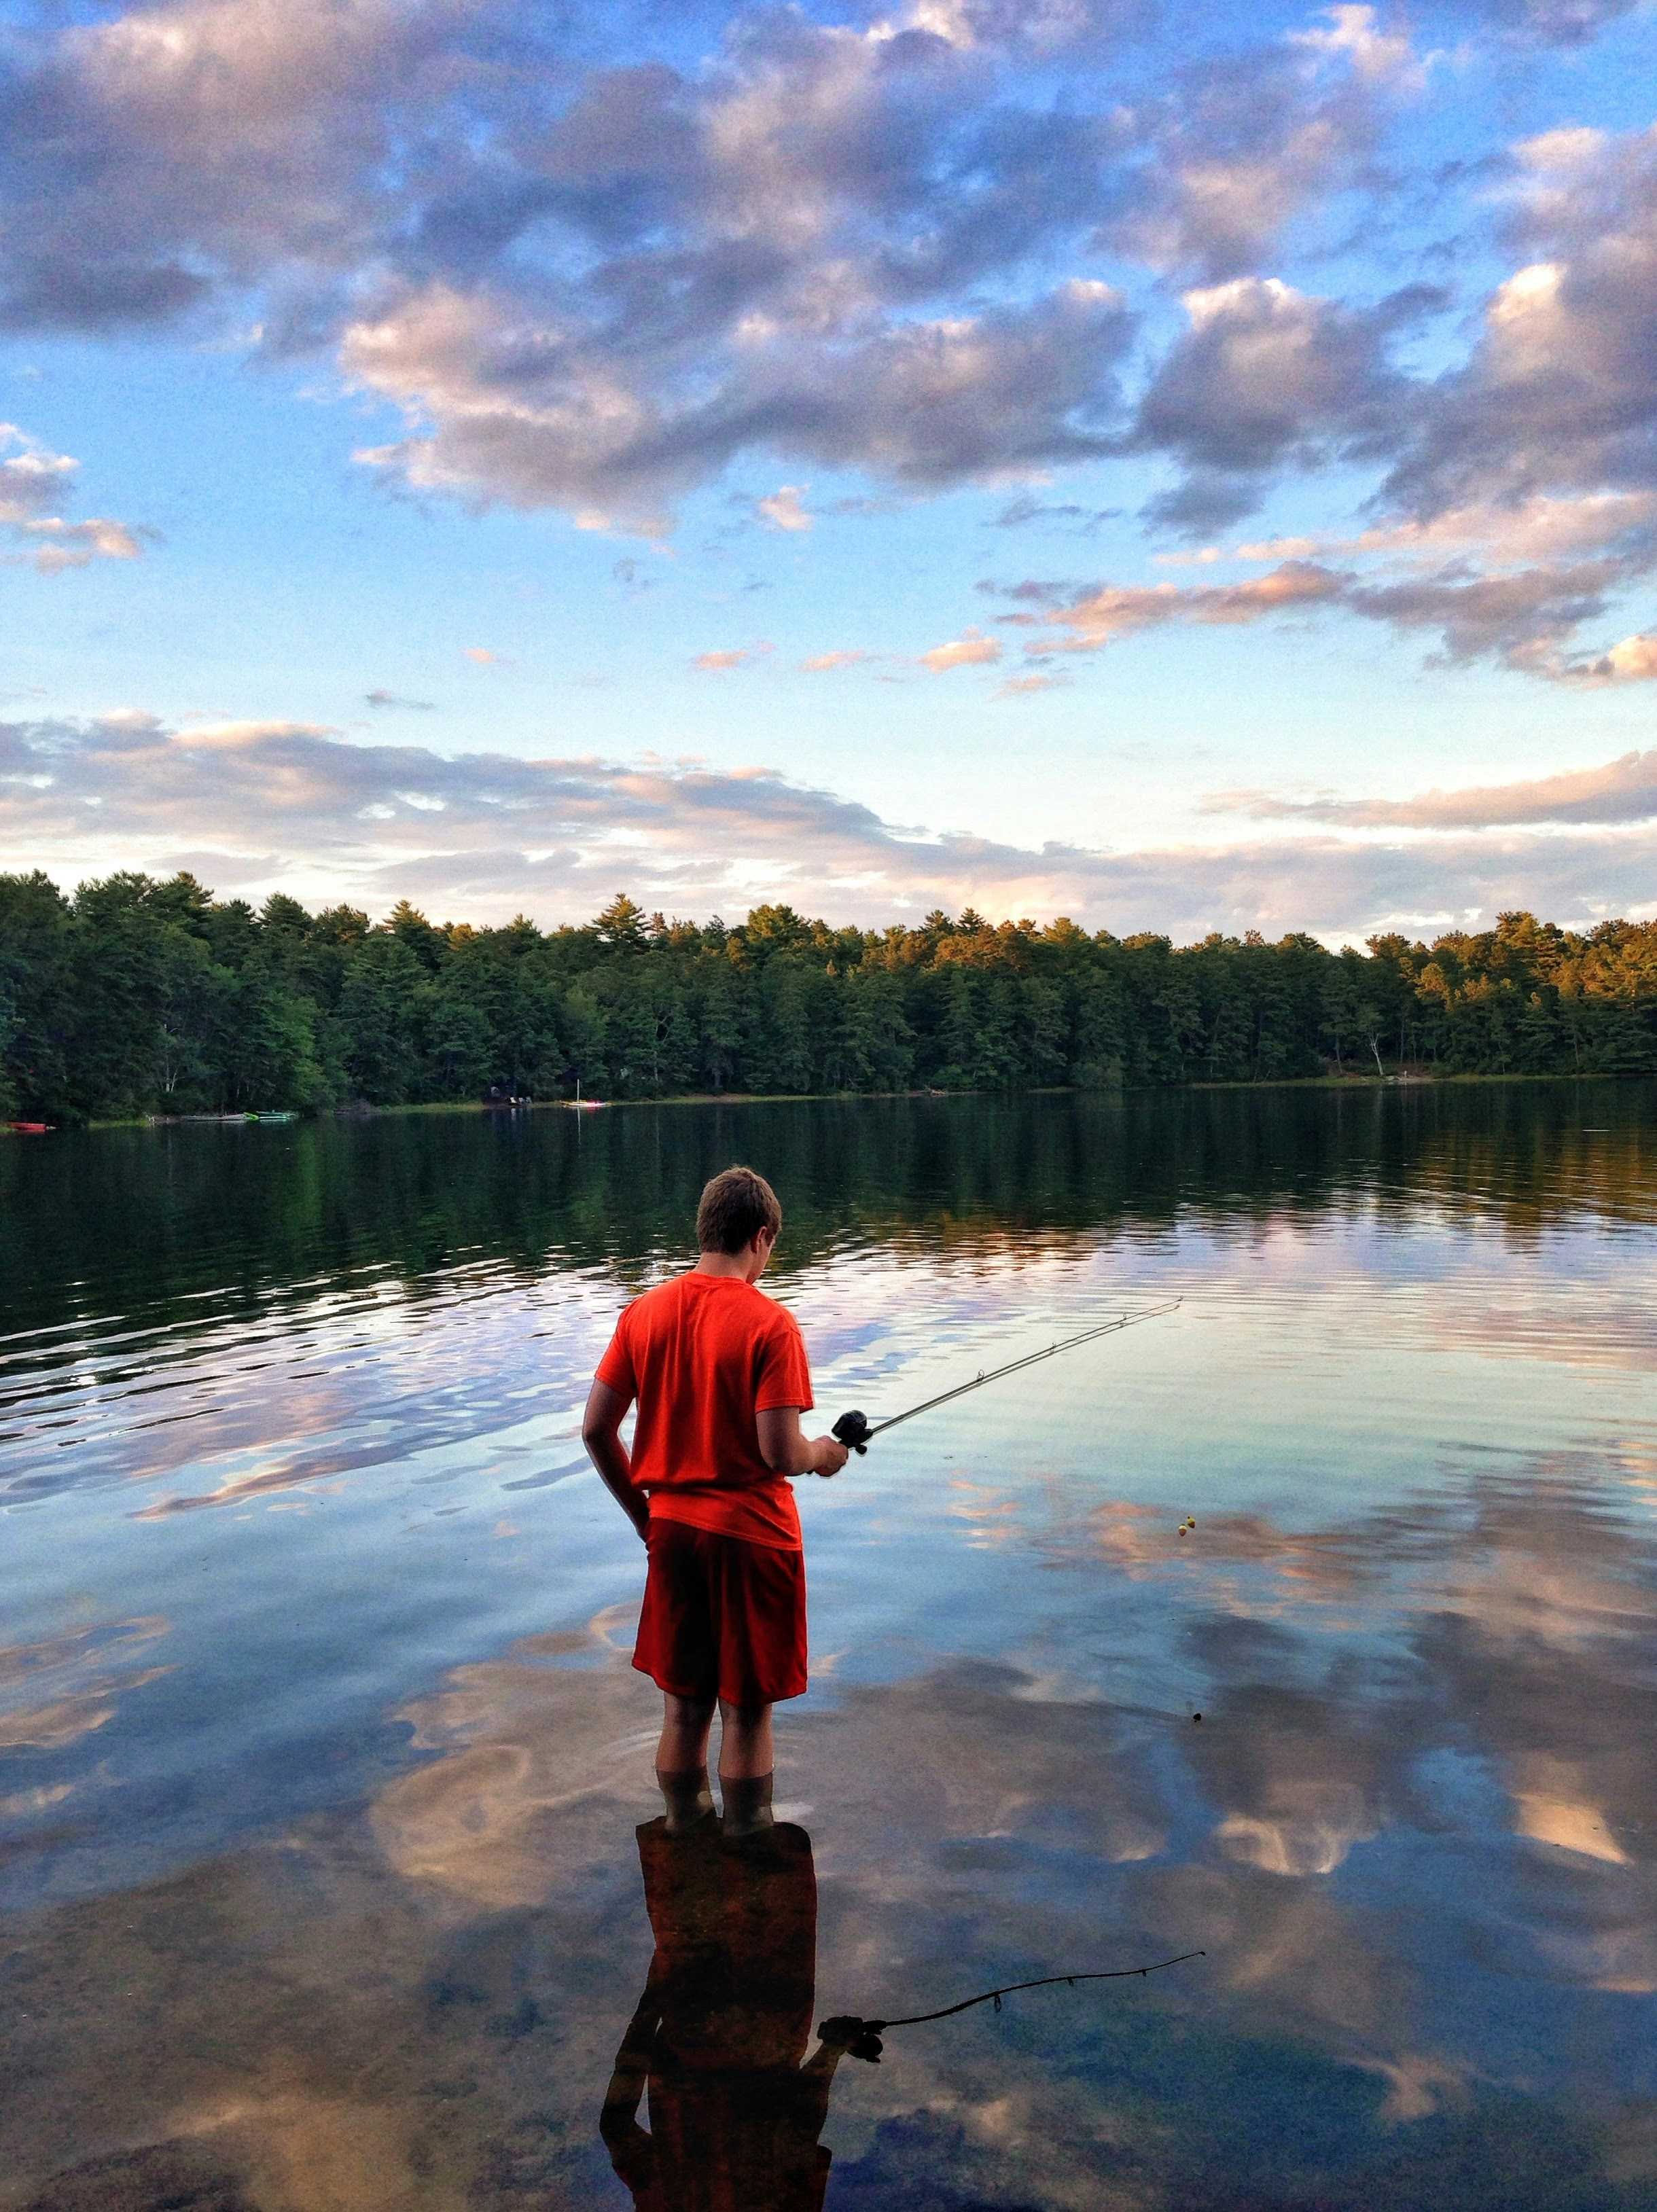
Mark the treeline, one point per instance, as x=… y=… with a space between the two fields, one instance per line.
x=139 y=996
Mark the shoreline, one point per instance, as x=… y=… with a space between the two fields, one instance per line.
x=1409 y=1079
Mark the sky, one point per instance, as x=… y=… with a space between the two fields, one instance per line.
x=1184 y=467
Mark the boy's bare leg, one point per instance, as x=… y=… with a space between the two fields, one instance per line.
x=682 y=1761
x=745 y=1765
x=685 y=1724
x=745 y=1742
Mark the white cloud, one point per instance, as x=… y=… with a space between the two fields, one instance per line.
x=1266 y=377
x=536 y=405
x=30 y=479
x=1353 y=34
x=258 y=807
x=1566 y=148
x=33 y=480
x=1503 y=534
x=590 y=280
x=1631 y=660
x=1557 y=398
x=784 y=508
x=1245 y=144
x=590 y=268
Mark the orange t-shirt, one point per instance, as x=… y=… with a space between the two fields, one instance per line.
x=703 y=1354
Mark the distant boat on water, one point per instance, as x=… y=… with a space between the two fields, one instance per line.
x=29 y=1129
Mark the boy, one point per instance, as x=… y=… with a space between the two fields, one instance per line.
x=720 y=1373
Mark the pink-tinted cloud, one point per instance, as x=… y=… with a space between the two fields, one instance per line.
x=785 y=510
x=972 y=649
x=1528 y=619
x=254 y=807
x=32 y=482
x=1623 y=790
x=1098 y=618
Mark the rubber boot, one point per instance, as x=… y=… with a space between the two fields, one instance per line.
x=687 y=1797
x=747 y=1805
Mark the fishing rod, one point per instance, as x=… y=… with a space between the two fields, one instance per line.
x=855 y=1430
x=862 y=2038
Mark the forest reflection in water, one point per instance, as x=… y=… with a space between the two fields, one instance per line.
x=325 y=1778
x=160 y=1220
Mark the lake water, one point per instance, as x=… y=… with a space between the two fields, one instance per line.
x=322 y=1763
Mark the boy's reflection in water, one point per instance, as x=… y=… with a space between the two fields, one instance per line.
x=719 y=2036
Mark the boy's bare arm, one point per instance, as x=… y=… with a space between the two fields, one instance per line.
x=787 y=1449
x=600 y=1433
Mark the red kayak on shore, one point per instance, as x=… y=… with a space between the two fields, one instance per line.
x=29 y=1128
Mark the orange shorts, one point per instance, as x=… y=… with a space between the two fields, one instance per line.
x=722 y=1617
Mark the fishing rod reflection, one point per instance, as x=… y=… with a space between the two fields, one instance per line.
x=716 y=2048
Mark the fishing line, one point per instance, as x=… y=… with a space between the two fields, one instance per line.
x=855 y=1430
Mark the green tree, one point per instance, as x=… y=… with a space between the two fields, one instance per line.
x=139 y=982
x=380 y=1012
x=141 y=994
x=621 y=927
x=266 y=1039
x=411 y=929
x=586 y=1042
x=787 y=1062
x=877 y=1031
x=718 y=1000
x=35 y=995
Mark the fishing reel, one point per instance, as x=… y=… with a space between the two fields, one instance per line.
x=853 y=1430
x=858 y=2039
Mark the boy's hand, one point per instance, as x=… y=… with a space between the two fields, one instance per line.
x=785 y=1448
